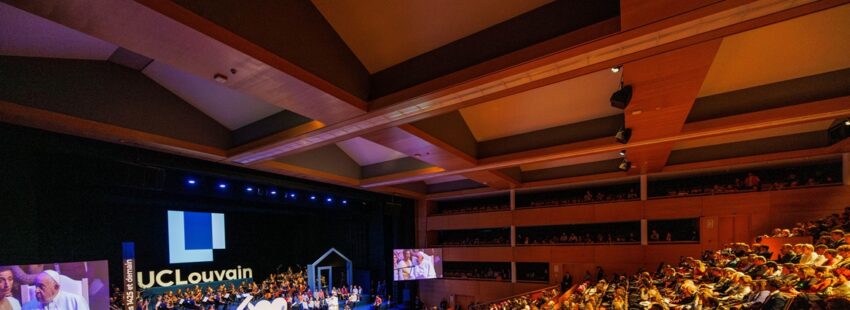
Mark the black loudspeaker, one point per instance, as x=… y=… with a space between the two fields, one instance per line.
x=838 y=132
x=620 y=99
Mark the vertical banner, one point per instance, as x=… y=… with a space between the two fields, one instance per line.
x=129 y=268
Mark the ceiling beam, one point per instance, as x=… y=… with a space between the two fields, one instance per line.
x=665 y=87
x=493 y=178
x=305 y=173
x=417 y=143
x=814 y=111
x=693 y=27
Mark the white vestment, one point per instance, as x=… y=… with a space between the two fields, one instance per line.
x=425 y=269
x=16 y=305
x=62 y=301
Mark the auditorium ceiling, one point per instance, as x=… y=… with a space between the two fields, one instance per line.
x=434 y=99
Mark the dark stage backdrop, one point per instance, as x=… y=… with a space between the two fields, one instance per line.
x=64 y=198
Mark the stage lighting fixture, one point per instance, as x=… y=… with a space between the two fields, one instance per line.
x=620 y=99
x=222 y=185
x=249 y=189
x=312 y=197
x=616 y=69
x=847 y=122
x=623 y=135
x=623 y=153
x=329 y=199
x=273 y=192
x=625 y=165
x=345 y=202
x=292 y=195
x=191 y=182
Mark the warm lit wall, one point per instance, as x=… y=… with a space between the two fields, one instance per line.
x=723 y=218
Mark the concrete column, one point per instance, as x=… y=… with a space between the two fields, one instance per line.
x=643 y=188
x=513 y=236
x=845 y=168
x=513 y=272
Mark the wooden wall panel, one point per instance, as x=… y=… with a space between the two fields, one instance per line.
x=617 y=212
x=742 y=228
x=522 y=287
x=708 y=232
x=532 y=254
x=726 y=230
x=630 y=254
x=470 y=221
x=673 y=208
x=433 y=291
x=744 y=203
x=553 y=216
x=478 y=254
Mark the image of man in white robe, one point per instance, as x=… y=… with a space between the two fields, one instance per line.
x=49 y=295
x=424 y=267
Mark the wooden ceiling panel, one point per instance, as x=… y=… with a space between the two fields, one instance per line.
x=665 y=87
x=493 y=178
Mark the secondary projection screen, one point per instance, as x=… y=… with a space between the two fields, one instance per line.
x=417 y=264
x=67 y=286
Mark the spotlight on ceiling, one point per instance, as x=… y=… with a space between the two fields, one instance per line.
x=620 y=98
x=623 y=135
x=625 y=165
x=616 y=68
x=623 y=153
x=847 y=122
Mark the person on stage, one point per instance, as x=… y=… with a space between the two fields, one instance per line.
x=49 y=295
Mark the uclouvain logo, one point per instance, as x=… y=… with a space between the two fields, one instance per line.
x=192 y=236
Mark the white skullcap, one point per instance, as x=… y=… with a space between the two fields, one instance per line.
x=52 y=274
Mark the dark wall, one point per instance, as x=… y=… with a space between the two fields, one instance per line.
x=69 y=199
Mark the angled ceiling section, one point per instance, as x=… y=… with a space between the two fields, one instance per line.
x=818 y=126
x=28 y=35
x=365 y=152
x=571 y=101
x=229 y=107
x=770 y=144
x=799 y=47
x=385 y=33
x=774 y=95
x=328 y=159
x=553 y=20
x=294 y=30
x=106 y=93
